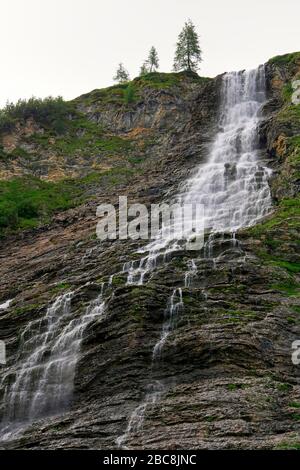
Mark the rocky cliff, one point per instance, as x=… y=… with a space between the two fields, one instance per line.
x=229 y=379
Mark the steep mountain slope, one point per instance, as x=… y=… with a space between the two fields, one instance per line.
x=226 y=367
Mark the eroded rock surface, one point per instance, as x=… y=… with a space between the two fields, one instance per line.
x=229 y=381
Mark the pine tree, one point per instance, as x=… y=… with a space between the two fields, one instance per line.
x=188 y=52
x=152 y=60
x=144 y=69
x=122 y=76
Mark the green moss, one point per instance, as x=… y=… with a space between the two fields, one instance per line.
x=233 y=387
x=25 y=309
x=118 y=281
x=291 y=267
x=19 y=152
x=287 y=214
x=61 y=286
x=284 y=387
x=136 y=160
x=210 y=419
x=290 y=288
x=295 y=416
x=288 y=445
x=287 y=92
x=294 y=404
x=289 y=114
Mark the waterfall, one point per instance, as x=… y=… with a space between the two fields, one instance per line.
x=49 y=351
x=190 y=274
x=232 y=185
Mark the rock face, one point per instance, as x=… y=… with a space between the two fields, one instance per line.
x=226 y=374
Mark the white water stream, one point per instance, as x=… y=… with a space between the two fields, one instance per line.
x=233 y=187
x=49 y=351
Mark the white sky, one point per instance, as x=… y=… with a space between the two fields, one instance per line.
x=69 y=47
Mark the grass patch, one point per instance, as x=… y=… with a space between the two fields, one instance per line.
x=292 y=445
x=285 y=59
x=290 y=267
x=284 y=387
x=291 y=288
x=61 y=286
x=287 y=91
x=233 y=387
x=287 y=215
x=26 y=202
x=294 y=404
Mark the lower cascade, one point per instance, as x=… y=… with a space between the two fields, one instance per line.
x=49 y=350
x=155 y=388
x=233 y=187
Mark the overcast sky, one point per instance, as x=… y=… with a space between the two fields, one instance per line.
x=69 y=47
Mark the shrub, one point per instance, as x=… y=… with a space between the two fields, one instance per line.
x=129 y=94
x=48 y=112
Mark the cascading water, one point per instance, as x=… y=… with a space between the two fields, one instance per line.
x=190 y=274
x=49 y=349
x=232 y=185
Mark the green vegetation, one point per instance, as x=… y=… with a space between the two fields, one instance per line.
x=291 y=267
x=152 y=63
x=285 y=59
x=109 y=95
x=122 y=76
x=26 y=202
x=292 y=445
x=294 y=404
x=284 y=387
x=49 y=112
x=295 y=416
x=159 y=80
x=287 y=92
x=289 y=114
x=26 y=309
x=234 y=387
x=61 y=286
x=188 y=54
x=286 y=216
x=129 y=94
x=290 y=288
